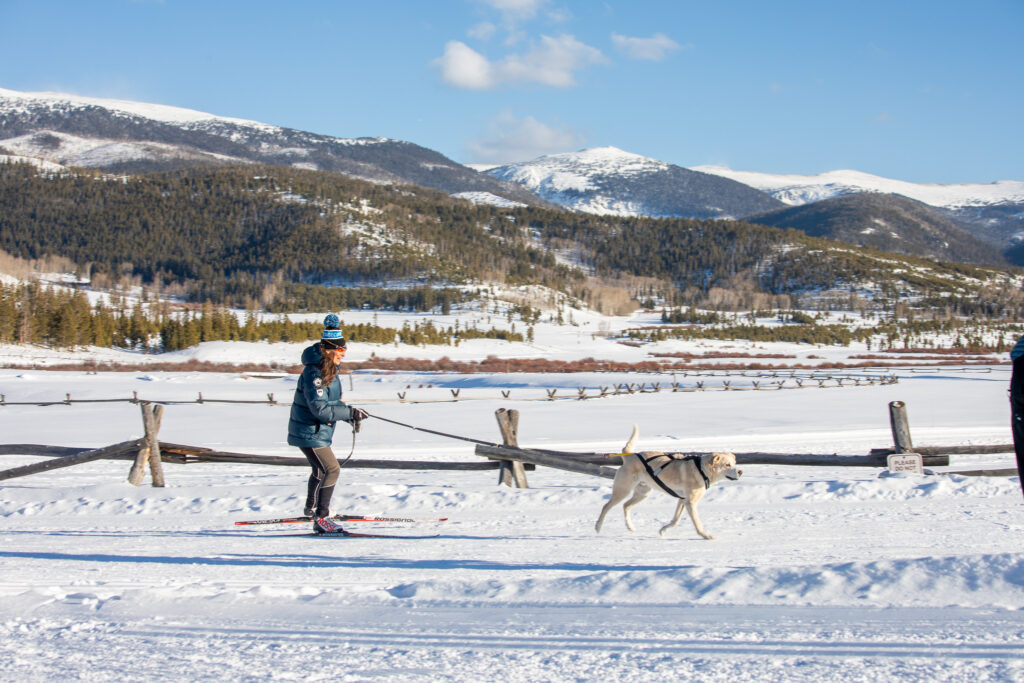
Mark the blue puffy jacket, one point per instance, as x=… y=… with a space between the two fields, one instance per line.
x=315 y=407
x=1018 y=349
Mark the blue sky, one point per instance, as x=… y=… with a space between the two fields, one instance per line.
x=926 y=91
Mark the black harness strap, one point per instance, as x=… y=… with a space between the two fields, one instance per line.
x=672 y=457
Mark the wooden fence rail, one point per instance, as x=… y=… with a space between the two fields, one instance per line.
x=548 y=459
x=579 y=394
x=183 y=454
x=600 y=464
x=179 y=454
x=752 y=458
x=114 y=450
x=511 y=460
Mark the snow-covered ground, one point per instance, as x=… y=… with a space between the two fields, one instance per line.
x=585 y=334
x=816 y=573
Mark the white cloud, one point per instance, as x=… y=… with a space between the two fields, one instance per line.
x=553 y=62
x=464 y=67
x=559 y=15
x=516 y=10
x=482 y=31
x=515 y=13
x=654 y=48
x=510 y=138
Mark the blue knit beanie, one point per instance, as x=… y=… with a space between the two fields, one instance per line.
x=332 y=337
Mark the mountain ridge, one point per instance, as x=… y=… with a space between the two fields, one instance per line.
x=124 y=137
x=610 y=181
x=992 y=212
x=142 y=137
x=795 y=189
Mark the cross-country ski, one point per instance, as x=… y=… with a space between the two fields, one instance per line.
x=340 y=518
x=355 y=534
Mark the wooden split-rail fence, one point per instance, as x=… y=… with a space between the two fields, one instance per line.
x=764 y=382
x=509 y=458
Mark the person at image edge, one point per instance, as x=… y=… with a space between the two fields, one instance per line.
x=1017 y=405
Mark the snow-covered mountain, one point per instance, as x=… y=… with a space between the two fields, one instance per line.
x=607 y=180
x=951 y=222
x=803 y=189
x=14 y=102
x=993 y=212
x=125 y=136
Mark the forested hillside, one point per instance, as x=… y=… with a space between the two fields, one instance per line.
x=229 y=233
x=275 y=237
x=888 y=222
x=731 y=264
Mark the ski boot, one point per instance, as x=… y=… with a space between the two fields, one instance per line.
x=323 y=525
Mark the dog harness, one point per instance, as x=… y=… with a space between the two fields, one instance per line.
x=653 y=473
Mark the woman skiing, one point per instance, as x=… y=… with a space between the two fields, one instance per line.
x=316 y=408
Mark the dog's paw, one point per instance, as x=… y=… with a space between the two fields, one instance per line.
x=708 y=536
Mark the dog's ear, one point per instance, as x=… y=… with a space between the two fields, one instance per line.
x=723 y=460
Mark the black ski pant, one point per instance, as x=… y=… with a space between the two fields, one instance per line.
x=1017 y=414
x=321 y=483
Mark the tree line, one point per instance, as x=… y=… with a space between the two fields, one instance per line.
x=61 y=318
x=798 y=327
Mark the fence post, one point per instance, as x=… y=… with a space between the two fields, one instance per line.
x=900 y=427
x=151 y=418
x=511 y=472
x=138 y=470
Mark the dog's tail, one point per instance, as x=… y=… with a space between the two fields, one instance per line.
x=630 y=446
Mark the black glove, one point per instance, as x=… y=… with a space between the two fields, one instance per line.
x=356 y=419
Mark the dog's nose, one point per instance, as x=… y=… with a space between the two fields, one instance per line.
x=739 y=473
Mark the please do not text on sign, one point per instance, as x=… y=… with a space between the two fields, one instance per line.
x=907 y=463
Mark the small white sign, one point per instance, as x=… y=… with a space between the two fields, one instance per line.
x=909 y=463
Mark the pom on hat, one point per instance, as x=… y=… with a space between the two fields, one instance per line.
x=332 y=322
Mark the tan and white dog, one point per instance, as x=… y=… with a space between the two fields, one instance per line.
x=684 y=477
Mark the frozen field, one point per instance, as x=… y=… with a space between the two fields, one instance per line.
x=816 y=574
